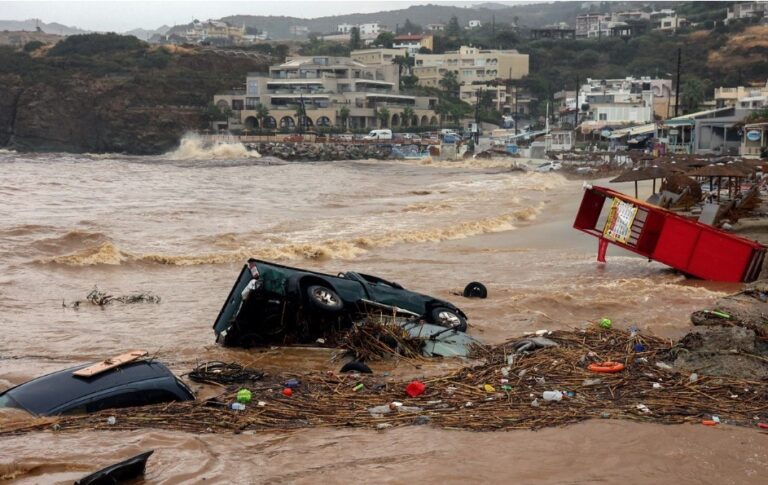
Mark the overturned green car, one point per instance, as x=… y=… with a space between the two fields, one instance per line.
x=276 y=304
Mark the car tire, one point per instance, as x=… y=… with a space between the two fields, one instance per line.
x=475 y=290
x=445 y=317
x=324 y=298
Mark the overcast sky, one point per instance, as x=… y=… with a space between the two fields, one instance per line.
x=120 y=15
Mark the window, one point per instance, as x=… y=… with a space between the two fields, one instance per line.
x=237 y=104
x=603 y=117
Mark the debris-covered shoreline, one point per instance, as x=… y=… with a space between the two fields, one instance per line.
x=501 y=388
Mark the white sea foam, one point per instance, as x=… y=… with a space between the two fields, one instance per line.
x=193 y=147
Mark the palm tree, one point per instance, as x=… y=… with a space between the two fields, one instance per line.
x=442 y=110
x=344 y=115
x=407 y=116
x=383 y=115
x=261 y=113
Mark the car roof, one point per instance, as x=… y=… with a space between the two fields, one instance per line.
x=47 y=393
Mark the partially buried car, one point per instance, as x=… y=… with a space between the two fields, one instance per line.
x=272 y=303
x=138 y=383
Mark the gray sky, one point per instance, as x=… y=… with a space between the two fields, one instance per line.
x=120 y=15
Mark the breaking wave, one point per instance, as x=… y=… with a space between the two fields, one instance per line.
x=109 y=254
x=192 y=147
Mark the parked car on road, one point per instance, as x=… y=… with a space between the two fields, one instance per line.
x=379 y=135
x=138 y=383
x=271 y=303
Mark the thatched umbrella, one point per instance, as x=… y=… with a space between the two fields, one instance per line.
x=718 y=170
x=644 y=173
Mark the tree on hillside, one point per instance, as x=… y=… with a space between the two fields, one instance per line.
x=385 y=39
x=693 y=93
x=281 y=52
x=450 y=84
x=354 y=38
x=410 y=28
x=453 y=29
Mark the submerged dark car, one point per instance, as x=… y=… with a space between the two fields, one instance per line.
x=272 y=303
x=133 y=384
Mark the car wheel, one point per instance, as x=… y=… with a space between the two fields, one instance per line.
x=475 y=290
x=446 y=317
x=324 y=298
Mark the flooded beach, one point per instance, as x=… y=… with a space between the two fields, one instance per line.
x=181 y=226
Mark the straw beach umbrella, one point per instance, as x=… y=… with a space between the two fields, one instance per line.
x=718 y=170
x=652 y=172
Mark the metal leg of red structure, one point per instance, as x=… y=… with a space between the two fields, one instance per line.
x=601 y=248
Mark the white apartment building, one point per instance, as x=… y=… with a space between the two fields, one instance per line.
x=473 y=24
x=374 y=28
x=606 y=102
x=732 y=96
x=344 y=28
x=747 y=10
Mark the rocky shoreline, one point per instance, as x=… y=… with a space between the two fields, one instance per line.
x=320 y=152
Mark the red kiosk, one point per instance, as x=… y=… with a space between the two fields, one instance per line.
x=659 y=234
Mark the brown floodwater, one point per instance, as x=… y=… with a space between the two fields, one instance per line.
x=180 y=226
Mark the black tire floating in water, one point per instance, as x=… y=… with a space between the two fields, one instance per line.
x=356 y=366
x=475 y=290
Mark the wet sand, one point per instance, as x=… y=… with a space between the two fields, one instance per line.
x=182 y=228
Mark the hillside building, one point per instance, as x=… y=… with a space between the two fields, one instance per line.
x=214 y=30
x=435 y=27
x=741 y=96
x=324 y=85
x=747 y=10
x=413 y=43
x=614 y=102
x=471 y=65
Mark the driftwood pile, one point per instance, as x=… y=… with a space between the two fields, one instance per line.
x=473 y=397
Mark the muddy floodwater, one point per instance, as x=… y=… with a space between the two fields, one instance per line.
x=180 y=226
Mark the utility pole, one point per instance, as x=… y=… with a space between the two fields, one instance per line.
x=477 y=115
x=493 y=25
x=677 y=88
x=576 y=120
x=515 y=115
x=302 y=113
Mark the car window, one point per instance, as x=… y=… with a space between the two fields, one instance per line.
x=7 y=401
x=130 y=398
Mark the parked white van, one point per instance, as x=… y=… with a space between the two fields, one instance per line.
x=379 y=135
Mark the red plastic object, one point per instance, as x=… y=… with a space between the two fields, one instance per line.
x=709 y=422
x=659 y=234
x=415 y=388
x=606 y=367
x=288 y=392
x=762 y=425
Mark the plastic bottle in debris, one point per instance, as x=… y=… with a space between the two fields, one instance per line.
x=552 y=395
x=236 y=406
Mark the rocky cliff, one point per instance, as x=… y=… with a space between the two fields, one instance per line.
x=139 y=100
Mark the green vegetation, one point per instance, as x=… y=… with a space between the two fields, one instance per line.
x=93 y=44
x=318 y=47
x=33 y=46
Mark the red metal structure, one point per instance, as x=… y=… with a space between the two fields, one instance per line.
x=689 y=246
